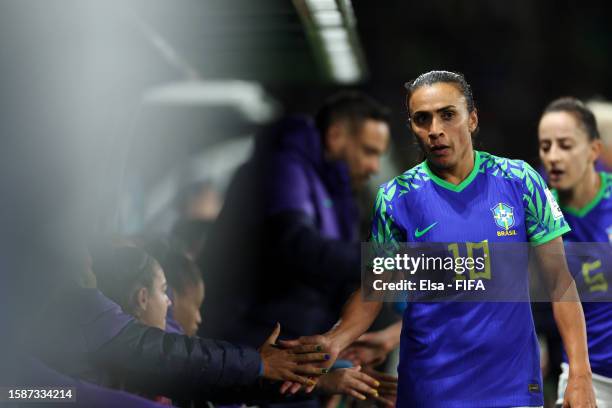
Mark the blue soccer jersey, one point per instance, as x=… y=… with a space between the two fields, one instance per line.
x=593 y=223
x=470 y=354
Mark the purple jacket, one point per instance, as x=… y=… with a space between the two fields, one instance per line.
x=87 y=336
x=284 y=247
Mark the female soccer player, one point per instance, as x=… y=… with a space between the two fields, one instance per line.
x=470 y=354
x=569 y=146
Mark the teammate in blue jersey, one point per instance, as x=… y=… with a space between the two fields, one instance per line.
x=569 y=146
x=468 y=354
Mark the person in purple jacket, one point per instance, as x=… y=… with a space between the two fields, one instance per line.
x=285 y=246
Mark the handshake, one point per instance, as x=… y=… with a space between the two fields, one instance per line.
x=304 y=363
x=297 y=361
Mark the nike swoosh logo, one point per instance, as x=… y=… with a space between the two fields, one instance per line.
x=418 y=233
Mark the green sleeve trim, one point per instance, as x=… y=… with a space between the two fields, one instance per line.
x=550 y=236
x=452 y=187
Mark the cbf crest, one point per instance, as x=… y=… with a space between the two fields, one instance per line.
x=503 y=215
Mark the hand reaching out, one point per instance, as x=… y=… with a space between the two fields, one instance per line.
x=319 y=342
x=388 y=385
x=352 y=382
x=294 y=364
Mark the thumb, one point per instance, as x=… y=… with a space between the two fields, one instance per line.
x=274 y=335
x=356 y=368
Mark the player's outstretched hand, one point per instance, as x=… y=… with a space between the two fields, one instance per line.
x=321 y=343
x=350 y=381
x=387 y=389
x=292 y=364
x=579 y=393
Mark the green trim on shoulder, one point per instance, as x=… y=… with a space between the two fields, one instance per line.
x=550 y=236
x=458 y=187
x=587 y=208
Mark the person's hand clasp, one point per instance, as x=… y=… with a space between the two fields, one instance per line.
x=579 y=393
x=295 y=364
x=320 y=343
x=349 y=381
x=371 y=349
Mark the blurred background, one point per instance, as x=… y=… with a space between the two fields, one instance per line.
x=135 y=100
x=111 y=112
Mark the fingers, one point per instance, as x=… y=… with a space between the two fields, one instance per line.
x=388 y=388
x=386 y=402
x=307 y=348
x=309 y=388
x=310 y=370
x=286 y=386
x=302 y=348
x=311 y=357
x=274 y=335
x=289 y=343
x=302 y=341
x=298 y=379
x=295 y=388
x=382 y=377
x=356 y=394
x=366 y=379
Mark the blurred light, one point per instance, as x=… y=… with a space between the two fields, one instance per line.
x=344 y=67
x=247 y=97
x=336 y=34
x=328 y=18
x=333 y=23
x=318 y=5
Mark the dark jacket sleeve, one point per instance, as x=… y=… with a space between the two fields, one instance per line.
x=175 y=365
x=87 y=336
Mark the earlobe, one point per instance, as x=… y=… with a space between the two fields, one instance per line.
x=142 y=297
x=334 y=138
x=596 y=149
x=473 y=121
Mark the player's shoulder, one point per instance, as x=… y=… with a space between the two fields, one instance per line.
x=513 y=170
x=408 y=182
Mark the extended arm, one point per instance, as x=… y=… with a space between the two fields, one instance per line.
x=570 y=321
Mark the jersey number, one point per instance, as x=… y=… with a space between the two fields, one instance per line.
x=596 y=282
x=471 y=249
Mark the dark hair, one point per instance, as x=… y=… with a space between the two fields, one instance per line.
x=433 y=77
x=579 y=110
x=121 y=271
x=180 y=270
x=351 y=106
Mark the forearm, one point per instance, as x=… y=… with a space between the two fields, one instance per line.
x=392 y=335
x=570 y=322
x=357 y=316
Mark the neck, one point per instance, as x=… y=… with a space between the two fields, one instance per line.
x=459 y=172
x=583 y=193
